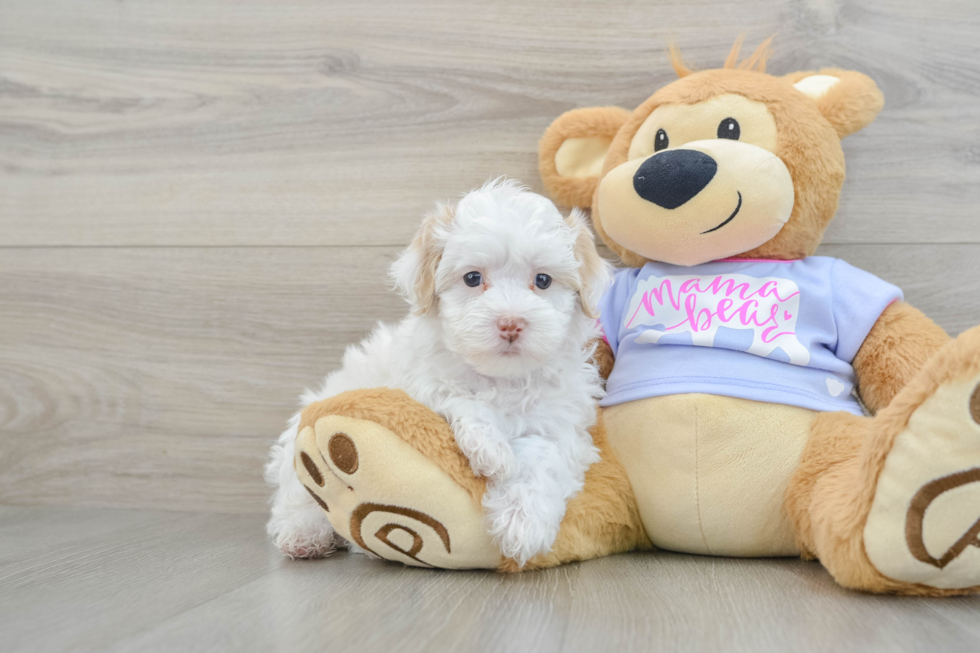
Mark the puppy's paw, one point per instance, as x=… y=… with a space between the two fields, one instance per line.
x=520 y=528
x=299 y=543
x=489 y=454
x=492 y=459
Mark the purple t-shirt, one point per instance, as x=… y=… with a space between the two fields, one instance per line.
x=777 y=331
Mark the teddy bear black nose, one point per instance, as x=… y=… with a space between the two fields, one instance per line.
x=672 y=177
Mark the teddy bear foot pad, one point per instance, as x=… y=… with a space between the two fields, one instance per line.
x=924 y=524
x=386 y=497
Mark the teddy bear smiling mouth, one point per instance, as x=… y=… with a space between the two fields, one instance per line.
x=730 y=218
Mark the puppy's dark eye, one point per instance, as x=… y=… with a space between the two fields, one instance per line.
x=728 y=128
x=660 y=141
x=542 y=281
x=473 y=279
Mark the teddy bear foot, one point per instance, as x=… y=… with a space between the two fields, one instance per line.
x=381 y=492
x=924 y=524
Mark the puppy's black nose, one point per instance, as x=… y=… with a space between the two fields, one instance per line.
x=670 y=178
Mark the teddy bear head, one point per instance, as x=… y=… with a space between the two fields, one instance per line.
x=723 y=163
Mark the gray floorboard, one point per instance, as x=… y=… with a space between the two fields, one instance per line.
x=117 y=580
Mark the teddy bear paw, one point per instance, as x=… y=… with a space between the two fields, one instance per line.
x=387 y=499
x=924 y=523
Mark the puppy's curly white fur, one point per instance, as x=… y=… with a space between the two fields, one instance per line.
x=503 y=292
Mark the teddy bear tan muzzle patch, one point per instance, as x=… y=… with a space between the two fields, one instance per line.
x=704 y=201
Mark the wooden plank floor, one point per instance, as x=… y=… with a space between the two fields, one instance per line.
x=145 y=581
x=198 y=201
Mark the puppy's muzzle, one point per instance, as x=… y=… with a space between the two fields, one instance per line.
x=673 y=177
x=510 y=328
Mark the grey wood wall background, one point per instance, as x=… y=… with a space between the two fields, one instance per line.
x=198 y=199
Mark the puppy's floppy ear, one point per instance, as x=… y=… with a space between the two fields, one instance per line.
x=573 y=149
x=594 y=272
x=848 y=100
x=414 y=273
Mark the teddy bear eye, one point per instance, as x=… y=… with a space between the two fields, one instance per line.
x=473 y=279
x=542 y=281
x=728 y=128
x=660 y=141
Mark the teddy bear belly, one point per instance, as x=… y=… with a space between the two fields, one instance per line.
x=710 y=472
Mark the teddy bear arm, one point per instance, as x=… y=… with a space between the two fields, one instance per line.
x=381 y=464
x=899 y=344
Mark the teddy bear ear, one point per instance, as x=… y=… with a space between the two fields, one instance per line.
x=848 y=100
x=573 y=149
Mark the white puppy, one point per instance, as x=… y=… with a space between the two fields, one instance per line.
x=503 y=292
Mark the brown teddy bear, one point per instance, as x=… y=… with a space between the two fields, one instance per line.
x=735 y=359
